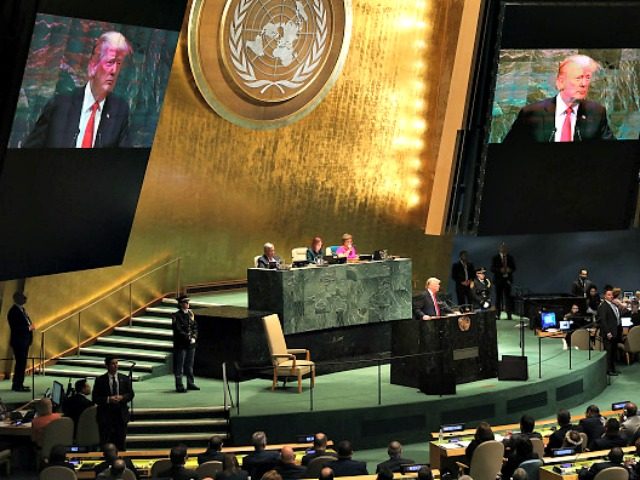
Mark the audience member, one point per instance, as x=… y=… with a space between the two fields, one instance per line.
x=520 y=474
x=425 y=473
x=592 y=424
x=611 y=437
x=384 y=474
x=344 y=465
x=319 y=449
x=483 y=434
x=177 y=471
x=114 y=472
x=271 y=475
x=326 y=474
x=522 y=450
x=213 y=452
x=44 y=416
x=581 y=286
x=287 y=467
x=564 y=425
x=573 y=439
x=77 y=403
x=630 y=421
x=110 y=455
x=593 y=300
x=395 y=458
x=614 y=460
x=231 y=469
x=261 y=460
x=58 y=457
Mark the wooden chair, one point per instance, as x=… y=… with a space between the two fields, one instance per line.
x=58 y=473
x=486 y=462
x=209 y=469
x=613 y=473
x=285 y=363
x=87 y=434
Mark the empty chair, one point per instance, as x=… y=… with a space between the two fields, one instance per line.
x=580 y=339
x=317 y=464
x=255 y=260
x=285 y=363
x=329 y=251
x=538 y=446
x=58 y=432
x=87 y=432
x=58 y=473
x=613 y=473
x=209 y=469
x=486 y=462
x=632 y=343
x=298 y=254
x=532 y=467
x=160 y=466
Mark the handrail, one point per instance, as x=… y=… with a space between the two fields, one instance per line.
x=79 y=312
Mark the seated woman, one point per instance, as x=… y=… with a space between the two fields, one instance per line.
x=314 y=252
x=269 y=259
x=347 y=249
x=483 y=434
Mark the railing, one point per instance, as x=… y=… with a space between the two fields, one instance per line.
x=117 y=298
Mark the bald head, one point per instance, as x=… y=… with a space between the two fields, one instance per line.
x=287 y=455
x=320 y=441
x=394 y=449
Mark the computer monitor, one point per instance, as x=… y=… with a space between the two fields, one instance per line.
x=548 y=320
x=628 y=294
x=57 y=394
x=626 y=322
x=565 y=325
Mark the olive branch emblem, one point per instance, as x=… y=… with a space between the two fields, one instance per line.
x=244 y=67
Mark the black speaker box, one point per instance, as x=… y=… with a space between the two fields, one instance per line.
x=513 y=367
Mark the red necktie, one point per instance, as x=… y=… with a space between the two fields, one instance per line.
x=565 y=135
x=435 y=304
x=87 y=139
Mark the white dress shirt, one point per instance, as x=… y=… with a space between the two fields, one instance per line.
x=85 y=113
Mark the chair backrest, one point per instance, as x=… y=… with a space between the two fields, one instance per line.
x=329 y=251
x=58 y=432
x=487 y=460
x=255 y=260
x=532 y=467
x=160 y=466
x=87 y=434
x=612 y=473
x=317 y=464
x=632 y=343
x=209 y=469
x=57 y=473
x=128 y=475
x=298 y=253
x=275 y=337
x=585 y=440
x=538 y=446
x=580 y=339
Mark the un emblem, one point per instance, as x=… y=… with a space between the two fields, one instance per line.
x=267 y=63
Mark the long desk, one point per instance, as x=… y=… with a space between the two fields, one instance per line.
x=324 y=297
x=549 y=471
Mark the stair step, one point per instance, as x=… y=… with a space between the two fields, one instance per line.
x=146 y=320
x=124 y=353
x=65 y=371
x=172 y=438
x=214 y=410
x=144 y=332
x=116 y=340
x=194 y=302
x=99 y=363
x=162 y=310
x=177 y=423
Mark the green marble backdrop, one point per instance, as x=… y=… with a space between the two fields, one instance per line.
x=57 y=63
x=528 y=76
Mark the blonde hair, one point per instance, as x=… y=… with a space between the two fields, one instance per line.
x=582 y=60
x=108 y=40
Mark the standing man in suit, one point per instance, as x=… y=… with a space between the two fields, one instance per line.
x=91 y=116
x=185 y=337
x=608 y=316
x=112 y=392
x=502 y=266
x=567 y=117
x=426 y=305
x=462 y=273
x=580 y=288
x=20 y=339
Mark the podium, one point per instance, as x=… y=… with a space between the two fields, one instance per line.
x=444 y=351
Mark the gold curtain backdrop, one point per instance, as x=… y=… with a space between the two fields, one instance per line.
x=362 y=162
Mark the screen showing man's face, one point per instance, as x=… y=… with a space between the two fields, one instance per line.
x=574 y=83
x=106 y=72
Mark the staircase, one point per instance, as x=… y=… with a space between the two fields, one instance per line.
x=147 y=342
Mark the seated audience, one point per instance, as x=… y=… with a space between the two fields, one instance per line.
x=592 y=424
x=319 y=449
x=522 y=451
x=114 y=472
x=573 y=440
x=287 y=467
x=44 y=416
x=425 y=473
x=395 y=458
x=527 y=425
x=177 y=471
x=77 y=403
x=110 y=455
x=271 y=475
x=326 y=474
x=384 y=474
x=314 y=251
x=483 y=434
x=344 y=466
x=593 y=300
x=347 y=249
x=269 y=257
x=615 y=458
x=261 y=460
x=564 y=425
x=520 y=474
x=630 y=421
x=231 y=469
x=58 y=457
x=611 y=437
x=213 y=453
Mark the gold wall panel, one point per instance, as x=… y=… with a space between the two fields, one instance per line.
x=362 y=162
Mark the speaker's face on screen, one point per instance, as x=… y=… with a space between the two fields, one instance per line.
x=107 y=70
x=574 y=83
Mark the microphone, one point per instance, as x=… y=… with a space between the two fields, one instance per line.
x=75 y=138
x=552 y=136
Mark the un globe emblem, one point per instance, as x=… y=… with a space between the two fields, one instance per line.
x=267 y=63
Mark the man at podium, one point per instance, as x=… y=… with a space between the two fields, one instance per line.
x=427 y=305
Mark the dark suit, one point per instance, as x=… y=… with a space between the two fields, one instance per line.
x=556 y=439
x=480 y=291
x=20 y=341
x=73 y=406
x=263 y=261
x=178 y=472
x=463 y=292
x=185 y=335
x=592 y=426
x=503 y=282
x=257 y=463
x=317 y=453
x=595 y=469
x=113 y=417
x=537 y=123
x=423 y=305
x=608 y=442
x=57 y=126
x=290 y=471
x=210 y=456
x=345 y=467
x=580 y=288
x=394 y=464
x=609 y=324
x=102 y=466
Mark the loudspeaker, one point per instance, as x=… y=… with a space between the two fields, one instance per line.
x=513 y=367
